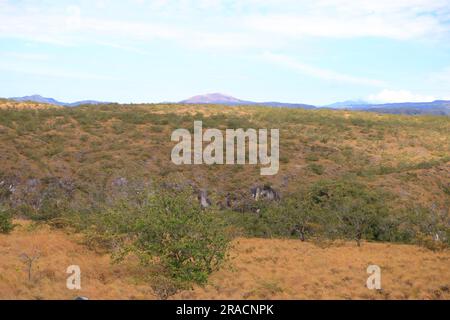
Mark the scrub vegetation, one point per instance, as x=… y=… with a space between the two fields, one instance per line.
x=104 y=173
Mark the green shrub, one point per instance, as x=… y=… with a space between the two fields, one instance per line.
x=6 y=224
x=299 y=218
x=168 y=232
x=316 y=168
x=350 y=210
x=189 y=243
x=325 y=210
x=427 y=227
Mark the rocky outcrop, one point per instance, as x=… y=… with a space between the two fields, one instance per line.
x=33 y=191
x=265 y=193
x=205 y=202
x=248 y=202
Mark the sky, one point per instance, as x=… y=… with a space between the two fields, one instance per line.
x=316 y=52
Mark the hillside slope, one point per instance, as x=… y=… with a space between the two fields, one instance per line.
x=92 y=148
x=12 y=104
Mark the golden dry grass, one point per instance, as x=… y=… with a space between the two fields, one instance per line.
x=257 y=269
x=10 y=104
x=290 y=269
x=100 y=278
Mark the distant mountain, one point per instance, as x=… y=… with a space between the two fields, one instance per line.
x=438 y=107
x=285 y=105
x=37 y=98
x=214 y=98
x=40 y=99
x=346 y=104
x=218 y=98
x=85 y=102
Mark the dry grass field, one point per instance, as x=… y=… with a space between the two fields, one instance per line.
x=10 y=104
x=256 y=269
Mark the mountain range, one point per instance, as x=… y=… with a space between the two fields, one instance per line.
x=438 y=107
x=218 y=98
x=40 y=99
x=347 y=104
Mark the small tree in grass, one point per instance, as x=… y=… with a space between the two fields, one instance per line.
x=183 y=242
x=298 y=217
x=6 y=224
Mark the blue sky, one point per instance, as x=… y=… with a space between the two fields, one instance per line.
x=315 y=52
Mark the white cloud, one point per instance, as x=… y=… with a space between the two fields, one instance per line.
x=386 y=96
x=53 y=73
x=319 y=72
x=260 y=24
x=72 y=28
x=397 y=19
x=398 y=26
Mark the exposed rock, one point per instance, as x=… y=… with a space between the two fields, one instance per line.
x=8 y=186
x=265 y=192
x=33 y=191
x=203 y=198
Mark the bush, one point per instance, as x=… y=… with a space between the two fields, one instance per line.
x=427 y=227
x=255 y=219
x=326 y=210
x=6 y=224
x=316 y=168
x=189 y=242
x=178 y=242
x=49 y=209
x=170 y=233
x=289 y=218
x=350 y=210
x=300 y=218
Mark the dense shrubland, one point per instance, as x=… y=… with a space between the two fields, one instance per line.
x=330 y=210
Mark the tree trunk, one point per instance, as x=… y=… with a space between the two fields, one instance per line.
x=302 y=234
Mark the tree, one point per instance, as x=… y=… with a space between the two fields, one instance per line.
x=180 y=240
x=299 y=217
x=352 y=210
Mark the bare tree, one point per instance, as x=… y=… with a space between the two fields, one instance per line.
x=29 y=260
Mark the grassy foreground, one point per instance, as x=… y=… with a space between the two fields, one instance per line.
x=257 y=269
